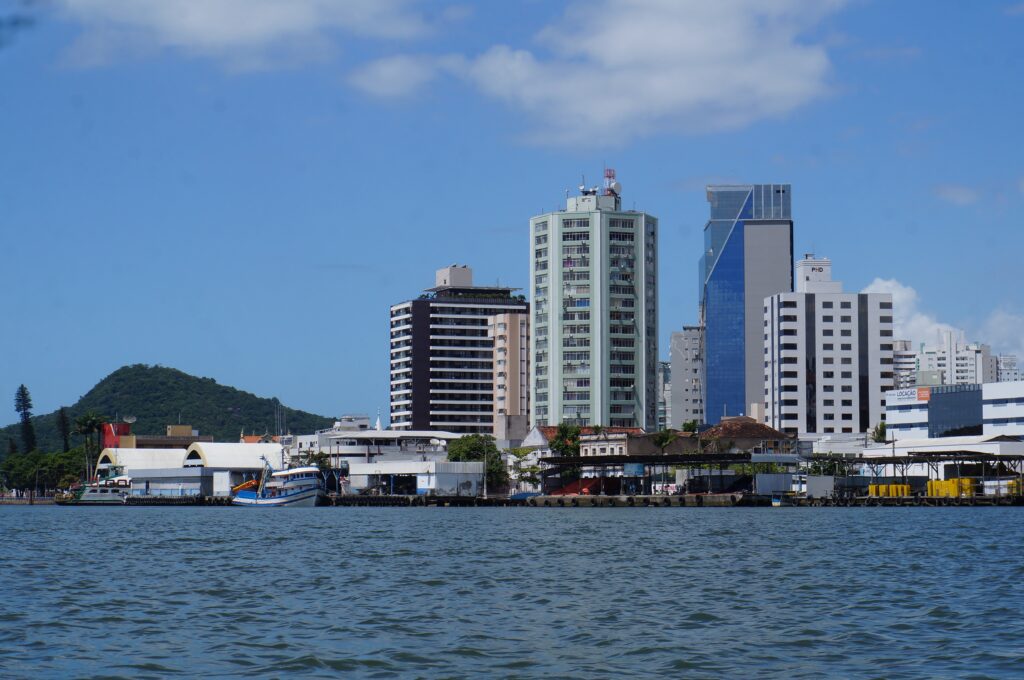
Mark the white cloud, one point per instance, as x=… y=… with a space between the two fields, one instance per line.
x=242 y=33
x=620 y=69
x=1002 y=330
x=909 y=321
x=402 y=74
x=957 y=194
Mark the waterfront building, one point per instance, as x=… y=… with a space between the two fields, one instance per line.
x=442 y=359
x=828 y=355
x=510 y=333
x=687 y=377
x=345 y=445
x=593 y=288
x=748 y=256
x=664 y=395
x=988 y=409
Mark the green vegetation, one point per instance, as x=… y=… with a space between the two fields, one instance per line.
x=521 y=472
x=878 y=434
x=64 y=428
x=157 y=397
x=690 y=426
x=664 y=438
x=23 y=405
x=481 y=447
x=42 y=471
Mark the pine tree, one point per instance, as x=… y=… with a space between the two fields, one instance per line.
x=64 y=427
x=12 y=448
x=23 y=405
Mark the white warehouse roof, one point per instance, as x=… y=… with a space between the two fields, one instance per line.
x=234 y=456
x=142 y=459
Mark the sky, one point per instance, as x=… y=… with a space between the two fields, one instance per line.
x=241 y=188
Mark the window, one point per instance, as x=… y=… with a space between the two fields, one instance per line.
x=885 y=319
x=847 y=416
x=845 y=332
x=885 y=347
x=828 y=346
x=829 y=402
x=847 y=402
x=846 y=388
x=844 y=319
x=826 y=305
x=845 y=347
x=828 y=360
x=575 y=236
x=846 y=374
x=885 y=305
x=830 y=416
x=827 y=333
x=846 y=361
x=827 y=319
x=844 y=305
x=828 y=374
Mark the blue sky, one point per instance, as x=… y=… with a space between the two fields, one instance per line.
x=240 y=189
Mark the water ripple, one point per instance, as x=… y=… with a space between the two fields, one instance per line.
x=386 y=592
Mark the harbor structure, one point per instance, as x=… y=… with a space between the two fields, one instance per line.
x=748 y=256
x=442 y=359
x=828 y=355
x=687 y=377
x=594 y=299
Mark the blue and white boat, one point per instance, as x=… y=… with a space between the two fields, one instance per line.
x=300 y=487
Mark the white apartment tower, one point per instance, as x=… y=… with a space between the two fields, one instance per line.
x=828 y=355
x=687 y=369
x=957 y=362
x=593 y=285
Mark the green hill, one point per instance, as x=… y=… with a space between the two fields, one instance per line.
x=156 y=396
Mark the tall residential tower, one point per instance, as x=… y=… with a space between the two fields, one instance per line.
x=748 y=256
x=443 y=355
x=593 y=274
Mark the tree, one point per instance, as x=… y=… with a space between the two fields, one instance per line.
x=87 y=425
x=64 y=427
x=690 y=426
x=566 y=442
x=23 y=405
x=878 y=434
x=664 y=438
x=521 y=472
x=12 y=448
x=481 y=447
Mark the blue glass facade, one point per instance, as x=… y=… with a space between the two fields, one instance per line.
x=723 y=280
x=955 y=411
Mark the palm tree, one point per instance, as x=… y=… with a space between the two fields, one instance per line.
x=664 y=438
x=87 y=425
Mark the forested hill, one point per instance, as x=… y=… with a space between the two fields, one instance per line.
x=156 y=396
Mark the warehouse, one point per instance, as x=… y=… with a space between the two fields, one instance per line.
x=204 y=469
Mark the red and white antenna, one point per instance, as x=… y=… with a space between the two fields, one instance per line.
x=611 y=187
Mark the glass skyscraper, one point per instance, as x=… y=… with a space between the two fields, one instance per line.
x=748 y=256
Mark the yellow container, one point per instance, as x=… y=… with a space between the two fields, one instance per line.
x=872 y=489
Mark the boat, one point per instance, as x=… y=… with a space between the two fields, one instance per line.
x=109 y=491
x=300 y=487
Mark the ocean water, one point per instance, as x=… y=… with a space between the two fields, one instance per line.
x=511 y=592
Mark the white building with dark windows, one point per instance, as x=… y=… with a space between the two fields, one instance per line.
x=442 y=354
x=593 y=291
x=687 y=372
x=828 y=355
x=956 y=362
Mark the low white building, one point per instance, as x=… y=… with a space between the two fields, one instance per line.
x=1002 y=408
x=947 y=453
x=431 y=477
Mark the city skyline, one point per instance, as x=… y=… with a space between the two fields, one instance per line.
x=188 y=190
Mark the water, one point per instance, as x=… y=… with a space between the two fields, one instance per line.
x=511 y=592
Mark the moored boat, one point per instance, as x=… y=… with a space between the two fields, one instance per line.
x=295 y=487
x=112 y=491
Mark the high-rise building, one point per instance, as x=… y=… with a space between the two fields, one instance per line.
x=593 y=277
x=748 y=256
x=510 y=332
x=664 y=394
x=442 y=358
x=687 y=377
x=957 y=362
x=1007 y=370
x=904 y=364
x=828 y=355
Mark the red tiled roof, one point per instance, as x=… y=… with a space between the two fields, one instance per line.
x=742 y=427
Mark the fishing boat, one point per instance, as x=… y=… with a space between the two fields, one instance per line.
x=300 y=487
x=111 y=491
